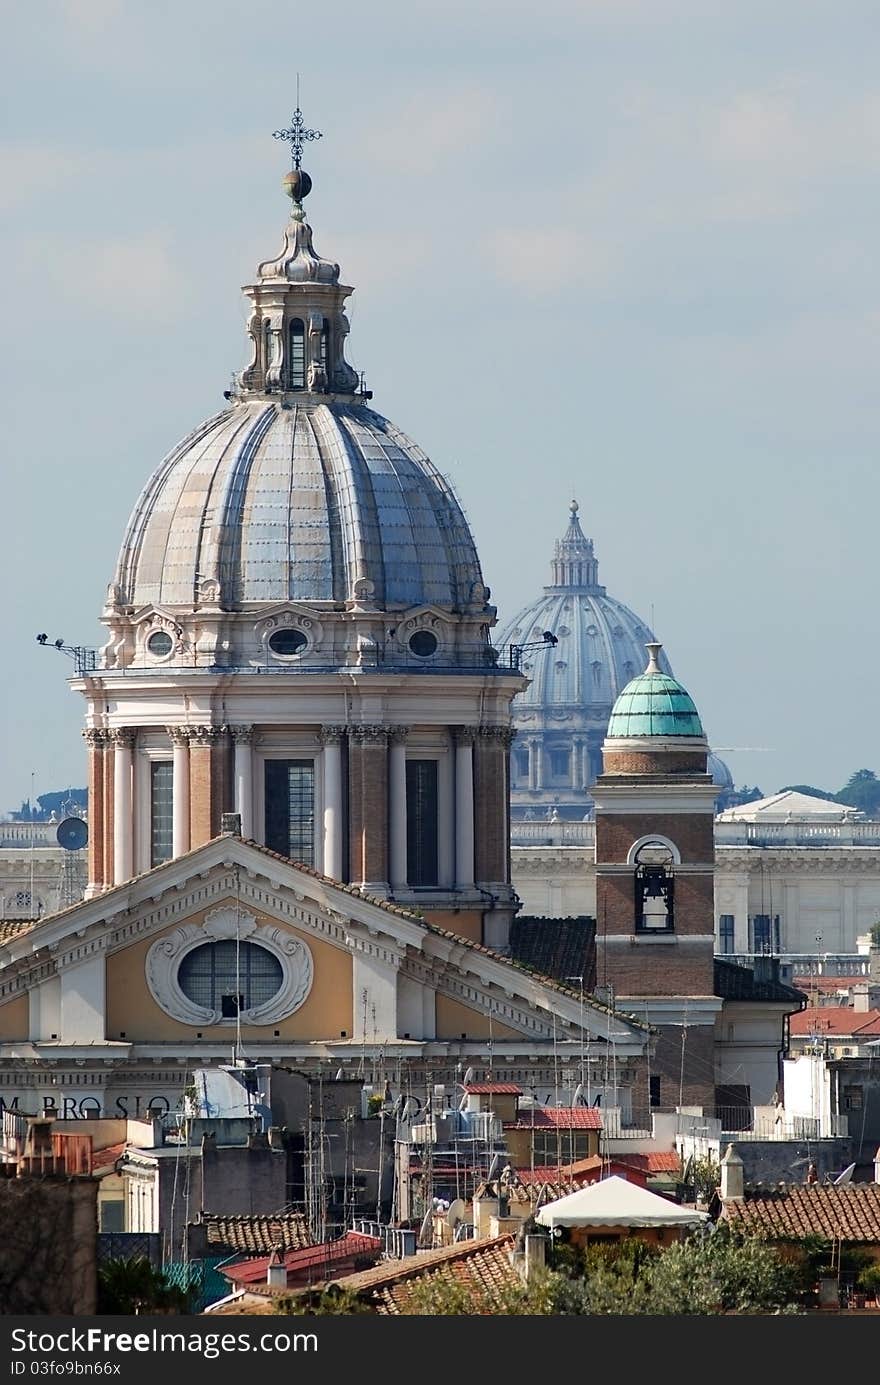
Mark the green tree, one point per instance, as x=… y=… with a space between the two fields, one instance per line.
x=134 y=1286
x=862 y=791
x=444 y=1294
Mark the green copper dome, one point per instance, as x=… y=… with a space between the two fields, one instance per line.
x=654 y=704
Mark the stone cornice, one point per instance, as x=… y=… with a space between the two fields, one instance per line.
x=798 y=859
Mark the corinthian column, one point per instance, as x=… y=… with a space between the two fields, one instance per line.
x=397 y=807
x=122 y=739
x=243 y=776
x=334 y=857
x=180 y=790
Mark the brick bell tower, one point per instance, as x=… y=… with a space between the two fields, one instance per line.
x=655 y=865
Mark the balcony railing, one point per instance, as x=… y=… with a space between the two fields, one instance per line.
x=813 y=834
x=544 y=833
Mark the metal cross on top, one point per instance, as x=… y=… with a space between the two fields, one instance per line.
x=296 y=135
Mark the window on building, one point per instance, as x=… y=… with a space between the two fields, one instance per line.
x=725 y=933
x=296 y=373
x=522 y=763
x=229 y=976
x=560 y=762
x=161 y=811
x=764 y=931
x=112 y=1214
x=325 y=348
x=290 y=809
x=421 y=822
x=571 y=1144
x=654 y=1089
x=654 y=888
x=852 y=1098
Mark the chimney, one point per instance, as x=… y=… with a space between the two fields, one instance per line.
x=731 y=1175
x=230 y=824
x=276 y=1276
x=536 y=1255
x=765 y=967
x=485 y=1207
x=861 y=998
x=877 y=1167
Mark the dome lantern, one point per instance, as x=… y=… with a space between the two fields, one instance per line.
x=574 y=564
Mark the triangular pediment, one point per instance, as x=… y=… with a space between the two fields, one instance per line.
x=319 y=909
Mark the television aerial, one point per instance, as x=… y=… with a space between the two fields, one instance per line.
x=455 y=1215
x=72 y=835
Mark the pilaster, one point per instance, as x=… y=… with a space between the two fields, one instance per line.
x=491 y=750
x=96 y=742
x=368 y=807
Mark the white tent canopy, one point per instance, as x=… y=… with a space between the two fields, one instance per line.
x=615 y=1202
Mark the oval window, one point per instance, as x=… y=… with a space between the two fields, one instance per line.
x=424 y=644
x=160 y=644
x=287 y=642
x=229 y=978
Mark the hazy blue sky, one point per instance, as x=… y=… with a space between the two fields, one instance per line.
x=625 y=247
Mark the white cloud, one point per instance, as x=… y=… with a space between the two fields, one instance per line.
x=139 y=277
x=541 y=258
x=430 y=131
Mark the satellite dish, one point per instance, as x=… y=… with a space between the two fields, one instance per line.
x=455 y=1215
x=468 y=1078
x=846 y=1176
x=578 y=1098
x=72 y=834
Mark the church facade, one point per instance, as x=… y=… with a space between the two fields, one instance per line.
x=298 y=736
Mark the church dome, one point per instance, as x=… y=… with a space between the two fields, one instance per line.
x=654 y=705
x=297 y=498
x=601 y=642
x=298 y=491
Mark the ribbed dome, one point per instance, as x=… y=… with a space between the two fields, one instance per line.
x=601 y=641
x=297 y=501
x=654 y=704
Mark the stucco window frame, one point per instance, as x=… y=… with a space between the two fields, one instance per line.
x=165 y=955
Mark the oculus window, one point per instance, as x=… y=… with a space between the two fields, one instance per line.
x=229 y=976
x=287 y=642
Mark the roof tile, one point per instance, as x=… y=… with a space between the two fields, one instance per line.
x=851 y=1212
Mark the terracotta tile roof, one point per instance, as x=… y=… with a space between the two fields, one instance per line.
x=258 y=1235
x=10 y=928
x=106 y=1158
x=557 y=1118
x=837 y=1020
x=655 y=1161
x=483 y=1264
x=494 y=1089
x=318 y=1259
x=851 y=1212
